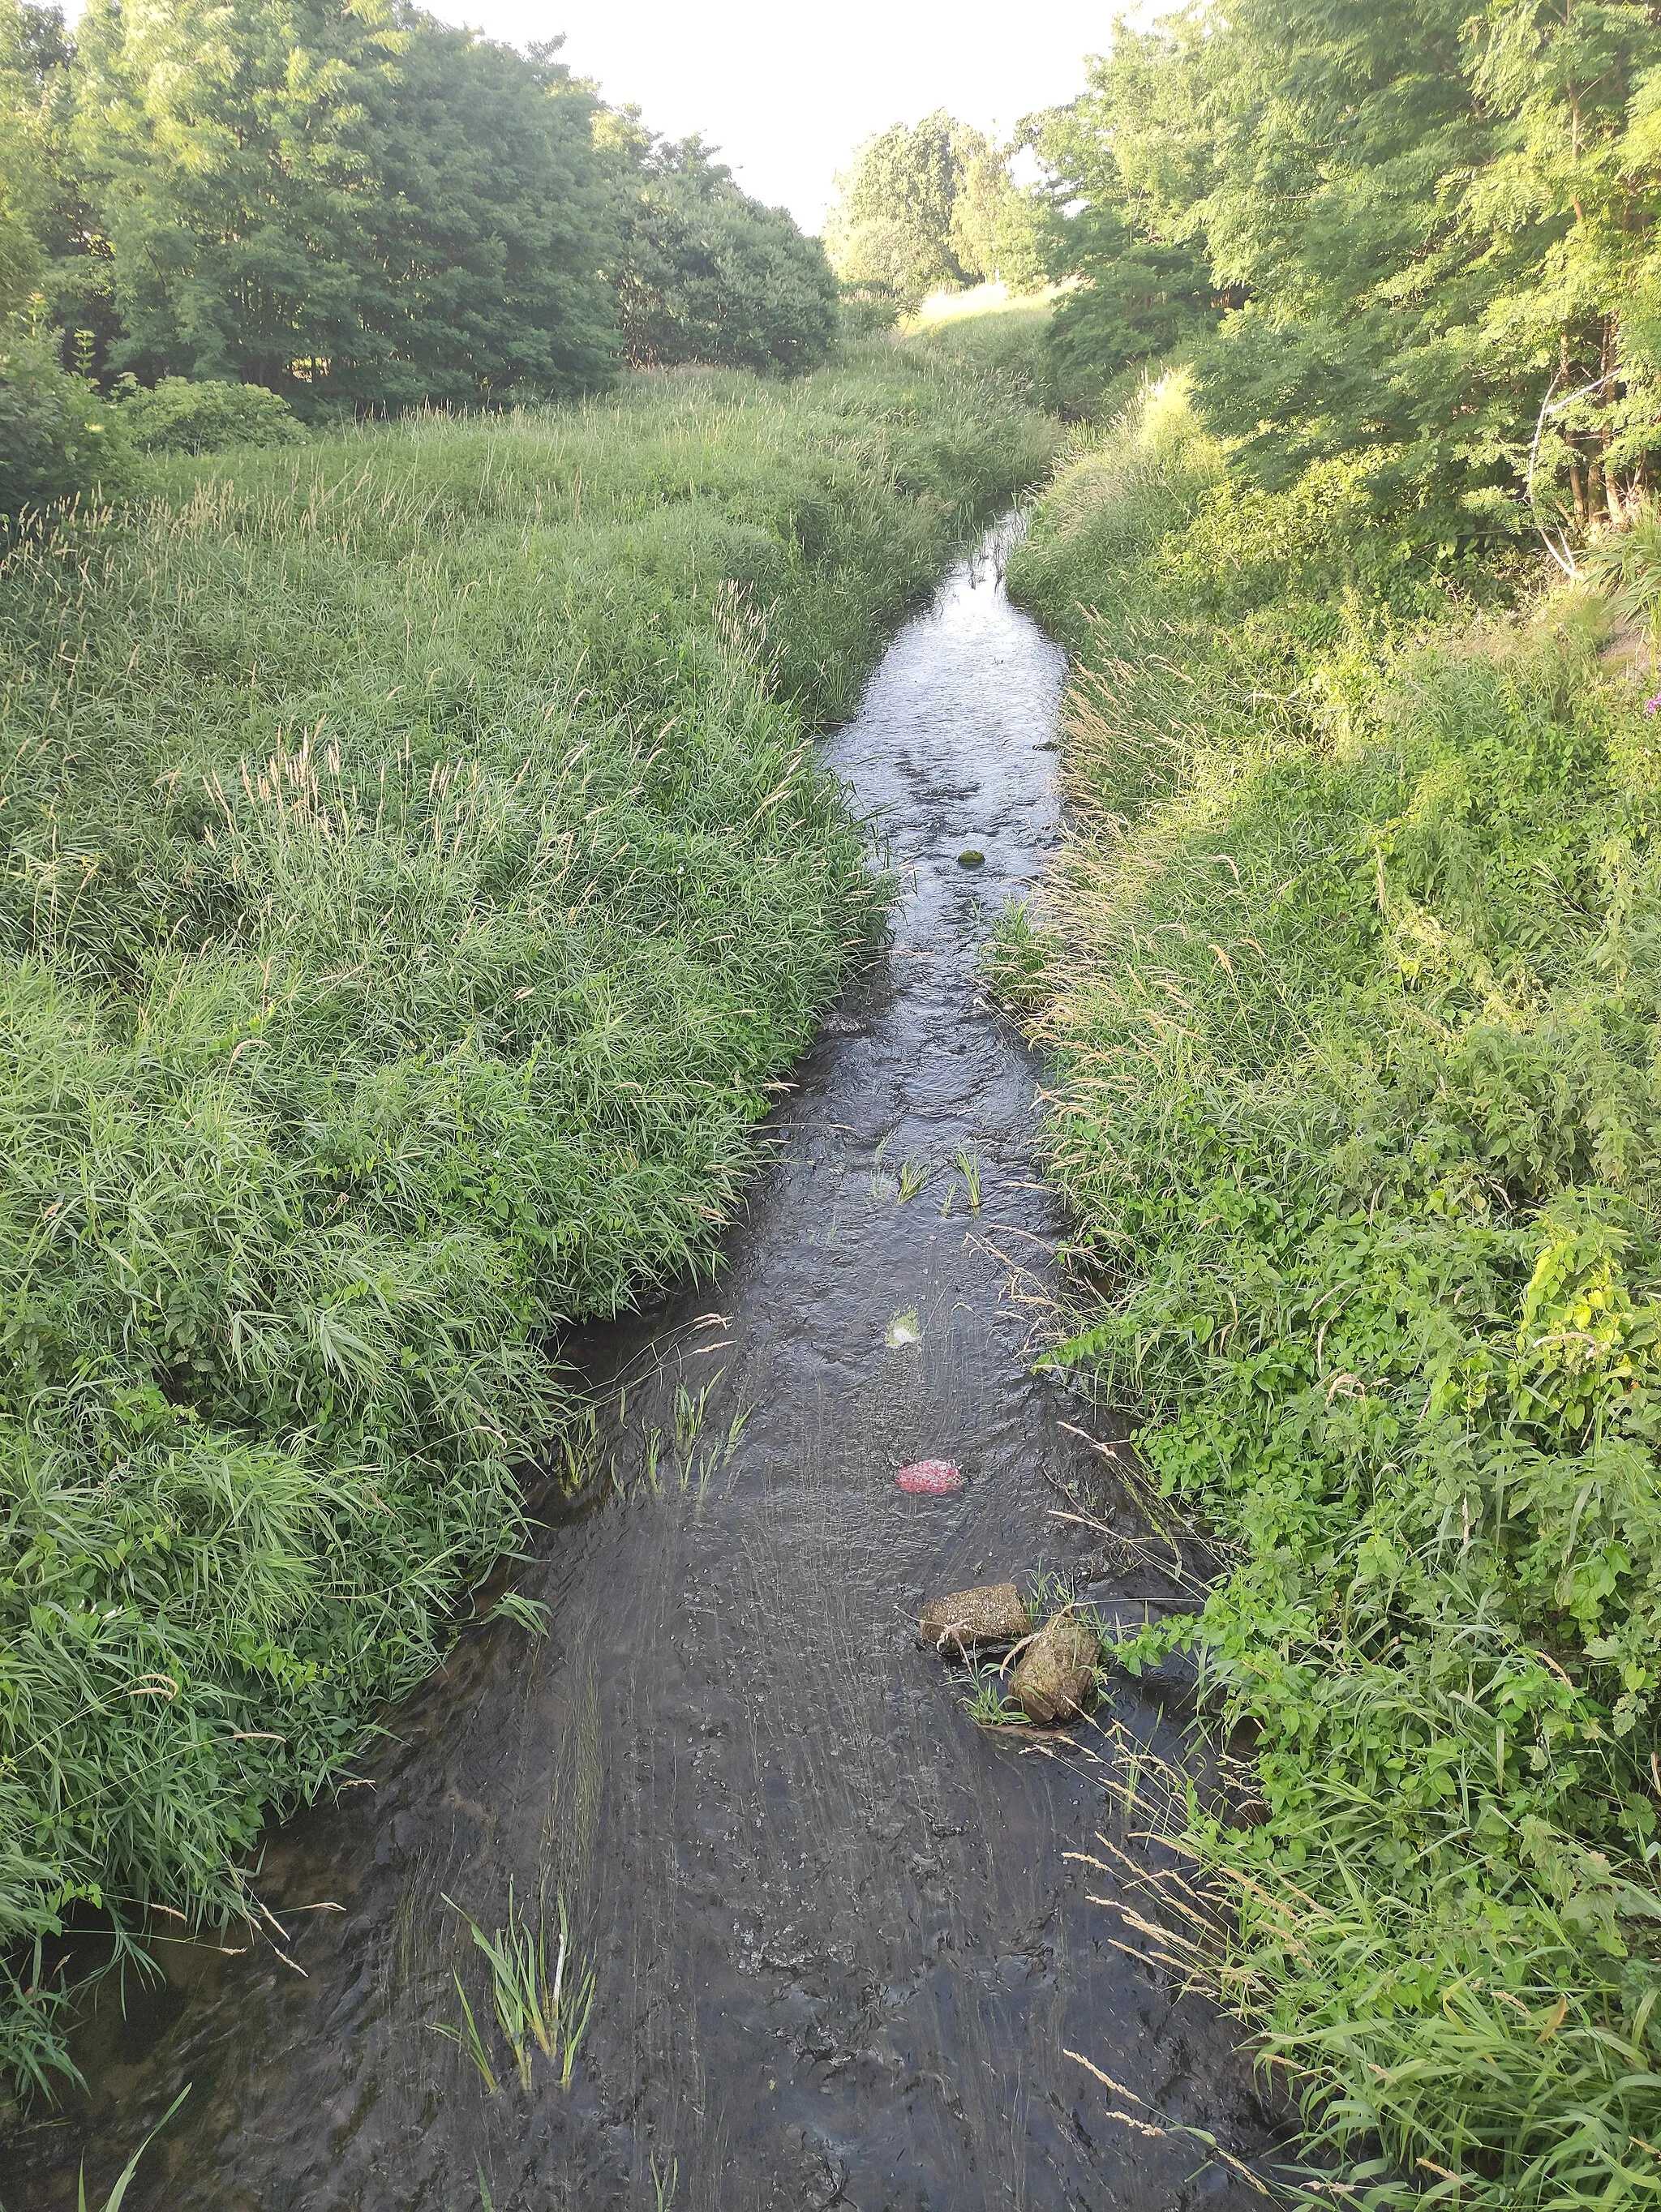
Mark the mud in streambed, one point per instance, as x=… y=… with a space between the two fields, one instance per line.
x=842 y=1953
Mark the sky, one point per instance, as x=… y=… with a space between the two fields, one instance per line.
x=786 y=90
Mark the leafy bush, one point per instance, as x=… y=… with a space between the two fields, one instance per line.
x=1354 y=1004
x=57 y=440
x=866 y=309
x=184 y=417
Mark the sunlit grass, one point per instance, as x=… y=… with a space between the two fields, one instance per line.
x=988 y=299
x=989 y=328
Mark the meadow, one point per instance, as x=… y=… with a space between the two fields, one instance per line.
x=1351 y=988
x=418 y=878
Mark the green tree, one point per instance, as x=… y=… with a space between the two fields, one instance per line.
x=1387 y=224
x=227 y=149
x=33 y=72
x=1129 y=166
x=347 y=203
x=998 y=231
x=892 y=224
x=703 y=272
x=1558 y=230
x=57 y=439
x=491 y=223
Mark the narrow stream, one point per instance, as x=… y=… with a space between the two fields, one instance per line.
x=842 y=1953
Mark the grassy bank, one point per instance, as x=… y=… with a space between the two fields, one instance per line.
x=989 y=329
x=416 y=873
x=1352 y=992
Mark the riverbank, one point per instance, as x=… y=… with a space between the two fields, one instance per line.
x=1351 y=1001
x=419 y=877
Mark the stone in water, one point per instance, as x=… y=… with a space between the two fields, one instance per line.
x=993 y=1613
x=930 y=1478
x=1055 y=1674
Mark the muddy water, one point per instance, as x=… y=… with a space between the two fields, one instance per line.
x=842 y=1953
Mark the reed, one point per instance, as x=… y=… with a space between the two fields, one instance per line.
x=543 y=1996
x=123 y=2180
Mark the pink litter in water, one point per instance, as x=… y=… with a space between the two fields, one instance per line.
x=934 y=1478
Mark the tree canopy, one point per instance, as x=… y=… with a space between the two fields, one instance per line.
x=352 y=204
x=1396 y=225
x=34 y=67
x=705 y=272
x=929 y=204
x=349 y=200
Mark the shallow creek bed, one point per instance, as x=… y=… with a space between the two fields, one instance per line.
x=843 y=1953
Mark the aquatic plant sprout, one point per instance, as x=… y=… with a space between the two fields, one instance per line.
x=913 y=1175
x=117 y=2195
x=536 y=2008
x=465 y=2034
x=968 y=1167
x=988 y=1705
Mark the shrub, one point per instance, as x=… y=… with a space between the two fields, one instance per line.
x=182 y=416
x=57 y=439
x=868 y=308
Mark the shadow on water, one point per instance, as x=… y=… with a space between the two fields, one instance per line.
x=842 y=1954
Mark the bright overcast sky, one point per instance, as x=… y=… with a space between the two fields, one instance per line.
x=787 y=91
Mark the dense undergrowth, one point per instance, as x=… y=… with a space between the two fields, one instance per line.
x=416 y=872
x=1351 y=984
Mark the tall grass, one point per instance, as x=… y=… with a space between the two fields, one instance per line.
x=416 y=870
x=990 y=330
x=1352 y=990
